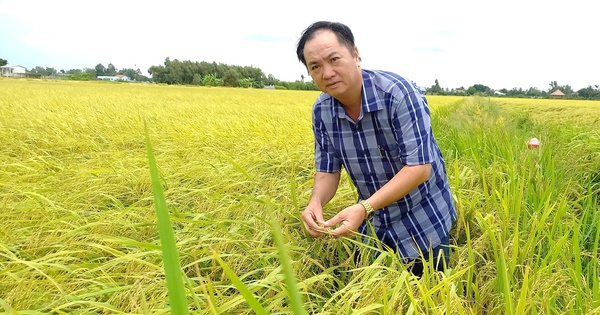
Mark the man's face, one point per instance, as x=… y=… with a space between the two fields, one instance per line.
x=333 y=68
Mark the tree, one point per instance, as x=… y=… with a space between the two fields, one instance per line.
x=46 y=72
x=158 y=73
x=270 y=80
x=590 y=93
x=245 y=82
x=302 y=77
x=436 y=88
x=37 y=70
x=534 y=92
x=197 y=80
x=231 y=77
x=133 y=74
x=90 y=72
x=479 y=89
x=85 y=75
x=110 y=69
x=564 y=88
x=3 y=62
x=100 y=69
x=211 y=80
x=567 y=89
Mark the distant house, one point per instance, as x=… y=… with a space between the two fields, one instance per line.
x=118 y=77
x=557 y=94
x=13 y=71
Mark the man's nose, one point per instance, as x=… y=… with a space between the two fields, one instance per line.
x=328 y=71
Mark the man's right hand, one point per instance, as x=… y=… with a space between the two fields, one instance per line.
x=312 y=217
x=324 y=189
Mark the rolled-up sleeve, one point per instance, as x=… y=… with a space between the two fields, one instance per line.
x=412 y=124
x=326 y=159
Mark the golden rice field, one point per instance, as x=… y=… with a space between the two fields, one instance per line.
x=557 y=111
x=79 y=228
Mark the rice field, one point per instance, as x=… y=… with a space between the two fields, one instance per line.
x=79 y=226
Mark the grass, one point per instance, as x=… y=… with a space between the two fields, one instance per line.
x=80 y=229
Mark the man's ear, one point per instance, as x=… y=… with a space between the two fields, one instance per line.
x=356 y=55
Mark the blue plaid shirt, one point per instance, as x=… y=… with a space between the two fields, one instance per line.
x=393 y=129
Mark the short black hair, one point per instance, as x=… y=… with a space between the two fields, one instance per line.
x=342 y=32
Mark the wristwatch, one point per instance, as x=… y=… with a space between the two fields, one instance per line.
x=368 y=209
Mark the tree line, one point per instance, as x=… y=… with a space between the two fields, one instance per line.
x=180 y=72
x=589 y=93
x=84 y=74
x=218 y=74
x=87 y=74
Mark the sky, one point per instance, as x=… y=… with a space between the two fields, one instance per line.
x=501 y=44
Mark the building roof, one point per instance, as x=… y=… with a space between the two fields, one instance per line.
x=12 y=66
x=116 y=76
x=557 y=93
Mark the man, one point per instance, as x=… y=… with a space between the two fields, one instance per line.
x=377 y=126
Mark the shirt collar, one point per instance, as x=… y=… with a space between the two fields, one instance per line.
x=369 y=98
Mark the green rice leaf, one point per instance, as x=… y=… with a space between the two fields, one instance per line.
x=175 y=286
x=286 y=263
x=244 y=291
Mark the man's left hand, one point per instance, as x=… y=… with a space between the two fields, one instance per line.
x=349 y=218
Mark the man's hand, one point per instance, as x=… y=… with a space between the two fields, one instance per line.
x=349 y=218
x=312 y=217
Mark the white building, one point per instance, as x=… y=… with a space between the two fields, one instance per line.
x=13 y=71
x=118 y=77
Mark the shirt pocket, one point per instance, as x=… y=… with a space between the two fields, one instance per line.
x=386 y=162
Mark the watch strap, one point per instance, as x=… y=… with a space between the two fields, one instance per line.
x=368 y=208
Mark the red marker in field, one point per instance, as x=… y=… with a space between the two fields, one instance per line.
x=533 y=143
